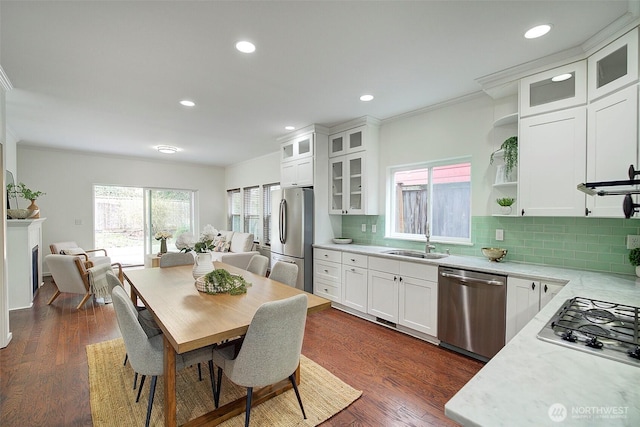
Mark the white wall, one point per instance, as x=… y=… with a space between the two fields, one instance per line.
x=68 y=178
x=258 y=171
x=452 y=130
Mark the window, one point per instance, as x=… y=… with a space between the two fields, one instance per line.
x=127 y=218
x=235 y=207
x=266 y=210
x=252 y=210
x=436 y=194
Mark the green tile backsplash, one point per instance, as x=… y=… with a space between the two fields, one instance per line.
x=597 y=244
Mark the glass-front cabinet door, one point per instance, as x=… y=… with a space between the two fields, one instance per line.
x=347 y=195
x=336 y=144
x=337 y=186
x=348 y=142
x=297 y=148
x=555 y=89
x=614 y=66
x=354 y=193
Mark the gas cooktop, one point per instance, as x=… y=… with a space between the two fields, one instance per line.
x=602 y=328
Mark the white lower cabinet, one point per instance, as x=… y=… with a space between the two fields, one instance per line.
x=405 y=293
x=525 y=298
x=383 y=295
x=419 y=305
x=327 y=274
x=354 y=281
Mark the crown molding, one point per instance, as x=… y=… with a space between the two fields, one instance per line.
x=5 y=83
x=449 y=102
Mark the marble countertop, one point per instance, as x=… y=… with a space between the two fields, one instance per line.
x=536 y=383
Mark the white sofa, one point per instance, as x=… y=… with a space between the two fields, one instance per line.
x=240 y=251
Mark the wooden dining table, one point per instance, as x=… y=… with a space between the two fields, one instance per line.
x=190 y=319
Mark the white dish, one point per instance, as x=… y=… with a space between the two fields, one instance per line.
x=342 y=241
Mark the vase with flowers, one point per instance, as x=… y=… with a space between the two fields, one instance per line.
x=187 y=242
x=162 y=236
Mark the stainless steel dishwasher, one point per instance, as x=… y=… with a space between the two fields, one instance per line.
x=471 y=311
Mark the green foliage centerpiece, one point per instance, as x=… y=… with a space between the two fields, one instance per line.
x=222 y=282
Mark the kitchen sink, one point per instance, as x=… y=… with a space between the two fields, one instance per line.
x=415 y=254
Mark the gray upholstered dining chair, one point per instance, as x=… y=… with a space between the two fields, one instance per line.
x=146 y=355
x=258 y=264
x=171 y=259
x=270 y=351
x=284 y=272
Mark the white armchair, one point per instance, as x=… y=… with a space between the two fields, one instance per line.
x=71 y=275
x=92 y=257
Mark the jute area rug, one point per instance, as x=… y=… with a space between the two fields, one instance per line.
x=113 y=398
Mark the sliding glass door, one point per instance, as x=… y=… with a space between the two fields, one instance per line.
x=127 y=219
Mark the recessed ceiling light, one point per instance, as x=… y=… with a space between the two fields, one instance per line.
x=290 y=127
x=562 y=77
x=245 y=46
x=366 y=98
x=538 y=31
x=187 y=103
x=166 y=149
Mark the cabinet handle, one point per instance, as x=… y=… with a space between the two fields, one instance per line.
x=326 y=271
x=326 y=255
x=326 y=290
x=586 y=211
x=533 y=286
x=395 y=278
x=522 y=212
x=401 y=278
x=353 y=260
x=353 y=269
x=546 y=288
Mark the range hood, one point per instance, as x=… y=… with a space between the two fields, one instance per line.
x=629 y=187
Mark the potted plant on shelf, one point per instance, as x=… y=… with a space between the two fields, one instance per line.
x=510 y=153
x=634 y=259
x=28 y=194
x=505 y=204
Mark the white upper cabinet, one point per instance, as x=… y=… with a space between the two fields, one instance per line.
x=349 y=141
x=297 y=148
x=552 y=158
x=296 y=161
x=612 y=145
x=555 y=89
x=614 y=66
x=353 y=168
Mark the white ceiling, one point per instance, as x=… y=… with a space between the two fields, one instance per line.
x=107 y=76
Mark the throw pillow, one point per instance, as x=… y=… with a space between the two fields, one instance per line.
x=222 y=245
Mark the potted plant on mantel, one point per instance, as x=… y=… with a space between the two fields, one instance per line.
x=28 y=194
x=510 y=153
x=634 y=259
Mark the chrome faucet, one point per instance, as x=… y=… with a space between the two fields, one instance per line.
x=428 y=247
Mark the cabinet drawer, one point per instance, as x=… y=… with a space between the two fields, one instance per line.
x=327 y=271
x=384 y=264
x=327 y=290
x=354 y=259
x=419 y=271
x=327 y=255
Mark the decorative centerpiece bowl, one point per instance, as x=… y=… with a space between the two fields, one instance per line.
x=494 y=254
x=19 y=213
x=342 y=240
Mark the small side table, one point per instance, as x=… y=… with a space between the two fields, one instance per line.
x=152 y=261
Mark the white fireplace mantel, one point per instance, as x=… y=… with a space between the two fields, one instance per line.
x=22 y=236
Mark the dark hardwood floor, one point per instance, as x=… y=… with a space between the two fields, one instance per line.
x=405 y=381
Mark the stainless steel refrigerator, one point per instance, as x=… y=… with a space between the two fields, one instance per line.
x=292 y=231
